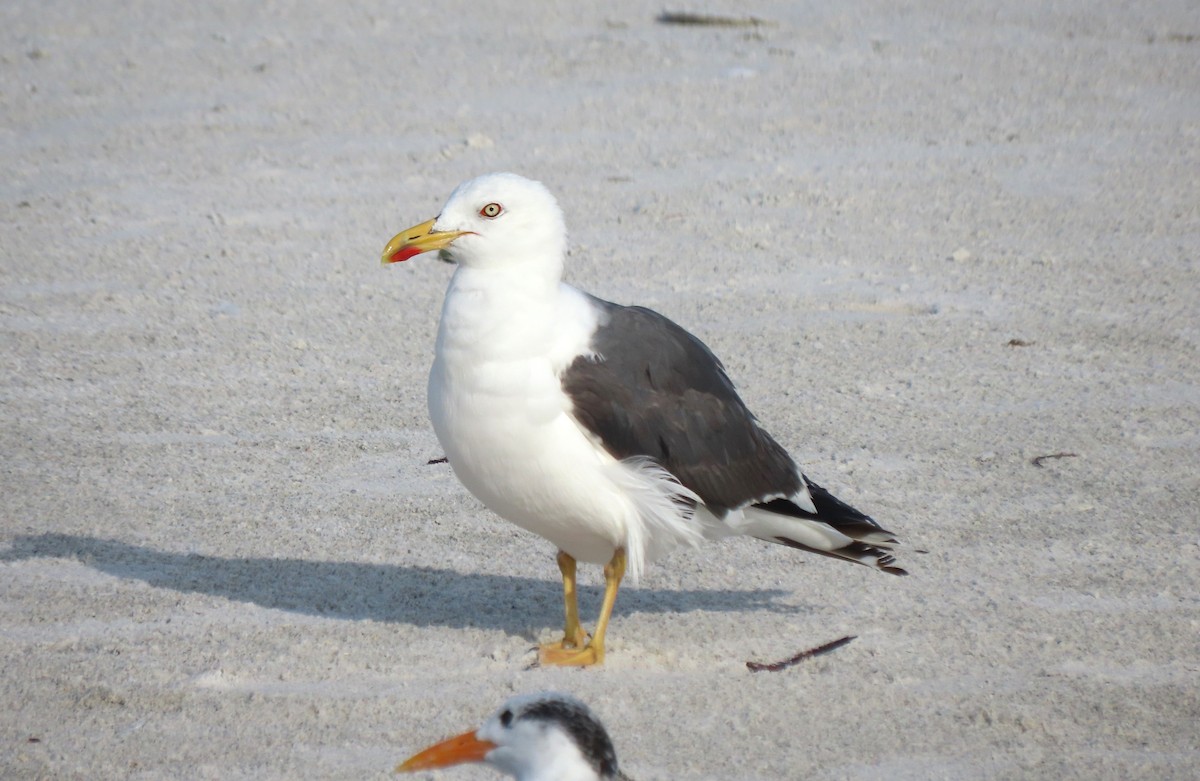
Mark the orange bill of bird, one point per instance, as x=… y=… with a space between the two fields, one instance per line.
x=457 y=750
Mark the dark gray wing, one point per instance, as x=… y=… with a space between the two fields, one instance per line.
x=655 y=390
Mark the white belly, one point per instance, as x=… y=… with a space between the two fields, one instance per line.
x=507 y=434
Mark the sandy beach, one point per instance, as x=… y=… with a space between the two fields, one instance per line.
x=949 y=254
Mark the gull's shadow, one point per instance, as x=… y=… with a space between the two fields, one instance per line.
x=422 y=596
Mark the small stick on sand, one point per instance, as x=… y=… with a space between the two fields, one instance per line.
x=1037 y=461
x=755 y=667
x=711 y=20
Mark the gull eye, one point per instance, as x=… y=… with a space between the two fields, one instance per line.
x=506 y=717
x=490 y=211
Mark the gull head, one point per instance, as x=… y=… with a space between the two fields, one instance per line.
x=493 y=221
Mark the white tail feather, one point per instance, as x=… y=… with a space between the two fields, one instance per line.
x=662 y=512
x=769 y=526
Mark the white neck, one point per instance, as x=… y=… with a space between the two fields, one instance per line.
x=573 y=770
x=545 y=755
x=498 y=312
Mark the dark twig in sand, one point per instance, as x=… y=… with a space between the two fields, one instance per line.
x=1019 y=343
x=1037 y=461
x=441 y=460
x=755 y=667
x=711 y=20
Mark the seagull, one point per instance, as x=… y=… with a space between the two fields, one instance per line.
x=607 y=429
x=533 y=737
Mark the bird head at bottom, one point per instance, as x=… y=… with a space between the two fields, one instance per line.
x=532 y=737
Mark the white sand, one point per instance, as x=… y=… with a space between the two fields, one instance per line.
x=223 y=556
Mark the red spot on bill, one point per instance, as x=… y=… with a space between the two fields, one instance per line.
x=404 y=253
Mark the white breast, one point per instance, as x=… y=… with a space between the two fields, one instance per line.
x=500 y=413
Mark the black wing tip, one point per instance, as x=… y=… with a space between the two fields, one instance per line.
x=886 y=561
x=856 y=552
x=840 y=516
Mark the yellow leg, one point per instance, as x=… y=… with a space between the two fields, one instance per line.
x=573 y=635
x=593 y=652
